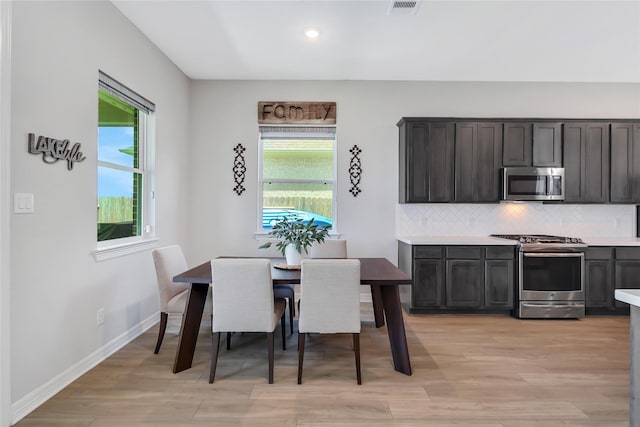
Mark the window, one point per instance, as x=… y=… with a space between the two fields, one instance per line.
x=297 y=175
x=125 y=202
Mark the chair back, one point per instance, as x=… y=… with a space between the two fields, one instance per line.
x=330 y=296
x=242 y=295
x=270 y=252
x=169 y=261
x=331 y=248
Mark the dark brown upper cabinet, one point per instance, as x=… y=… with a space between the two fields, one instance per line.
x=625 y=163
x=426 y=161
x=532 y=144
x=478 y=155
x=586 y=162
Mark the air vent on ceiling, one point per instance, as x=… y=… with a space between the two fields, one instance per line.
x=400 y=7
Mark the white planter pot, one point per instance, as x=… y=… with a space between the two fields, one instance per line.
x=292 y=255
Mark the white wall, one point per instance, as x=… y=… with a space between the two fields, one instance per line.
x=224 y=113
x=56 y=285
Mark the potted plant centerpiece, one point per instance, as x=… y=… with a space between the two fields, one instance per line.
x=295 y=237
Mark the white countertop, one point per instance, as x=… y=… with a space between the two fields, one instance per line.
x=486 y=240
x=630 y=296
x=455 y=240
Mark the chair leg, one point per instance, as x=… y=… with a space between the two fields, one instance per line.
x=300 y=355
x=163 y=326
x=356 y=346
x=270 y=350
x=291 y=313
x=283 y=328
x=215 y=346
x=228 y=340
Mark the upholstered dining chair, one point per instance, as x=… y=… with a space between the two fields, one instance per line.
x=330 y=248
x=329 y=303
x=248 y=281
x=169 y=261
x=279 y=291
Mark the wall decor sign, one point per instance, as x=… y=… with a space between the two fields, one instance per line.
x=355 y=170
x=53 y=150
x=286 y=112
x=239 y=169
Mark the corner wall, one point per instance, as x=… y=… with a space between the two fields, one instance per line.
x=56 y=285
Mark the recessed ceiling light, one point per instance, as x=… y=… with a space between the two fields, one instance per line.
x=312 y=33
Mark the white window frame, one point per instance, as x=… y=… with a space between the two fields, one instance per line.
x=293 y=131
x=113 y=248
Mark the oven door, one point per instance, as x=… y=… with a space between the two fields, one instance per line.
x=551 y=276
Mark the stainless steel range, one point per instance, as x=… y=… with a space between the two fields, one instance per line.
x=550 y=276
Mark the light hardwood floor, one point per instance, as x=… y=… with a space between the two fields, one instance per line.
x=468 y=370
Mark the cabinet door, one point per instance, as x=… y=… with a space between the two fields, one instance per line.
x=625 y=155
x=517 y=148
x=586 y=162
x=426 y=290
x=478 y=155
x=547 y=144
x=627 y=273
x=464 y=284
x=598 y=283
x=499 y=283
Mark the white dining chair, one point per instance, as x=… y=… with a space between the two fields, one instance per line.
x=329 y=303
x=169 y=261
x=279 y=291
x=330 y=248
x=243 y=301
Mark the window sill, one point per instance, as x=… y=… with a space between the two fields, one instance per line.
x=123 y=249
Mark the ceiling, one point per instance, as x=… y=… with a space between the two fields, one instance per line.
x=531 y=41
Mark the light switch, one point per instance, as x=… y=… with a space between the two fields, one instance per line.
x=22 y=203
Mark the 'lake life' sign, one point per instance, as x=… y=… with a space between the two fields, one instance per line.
x=53 y=150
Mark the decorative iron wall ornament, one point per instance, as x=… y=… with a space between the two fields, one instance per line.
x=355 y=170
x=53 y=150
x=239 y=169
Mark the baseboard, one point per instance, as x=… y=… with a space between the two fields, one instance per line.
x=37 y=397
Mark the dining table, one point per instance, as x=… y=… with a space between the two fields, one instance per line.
x=380 y=274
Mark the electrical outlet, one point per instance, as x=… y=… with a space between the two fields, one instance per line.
x=100 y=317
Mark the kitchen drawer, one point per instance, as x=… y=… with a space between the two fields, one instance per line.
x=464 y=252
x=427 y=251
x=598 y=253
x=500 y=252
x=628 y=253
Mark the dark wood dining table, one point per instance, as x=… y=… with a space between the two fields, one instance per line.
x=379 y=273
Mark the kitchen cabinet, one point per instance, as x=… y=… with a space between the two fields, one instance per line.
x=625 y=163
x=478 y=153
x=536 y=144
x=459 y=278
x=586 y=162
x=599 y=280
x=426 y=161
x=627 y=270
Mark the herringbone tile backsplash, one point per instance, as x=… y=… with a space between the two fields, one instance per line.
x=455 y=219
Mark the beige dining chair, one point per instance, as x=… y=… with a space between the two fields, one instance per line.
x=329 y=303
x=279 y=291
x=248 y=281
x=330 y=248
x=169 y=261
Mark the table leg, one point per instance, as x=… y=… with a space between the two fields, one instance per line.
x=395 y=328
x=191 y=319
x=378 y=310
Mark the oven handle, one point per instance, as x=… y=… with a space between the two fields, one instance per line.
x=553 y=254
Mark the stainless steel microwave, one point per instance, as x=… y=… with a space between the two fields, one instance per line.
x=524 y=183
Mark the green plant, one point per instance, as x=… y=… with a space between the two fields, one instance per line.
x=295 y=232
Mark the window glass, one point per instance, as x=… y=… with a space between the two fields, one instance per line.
x=121 y=172
x=298 y=175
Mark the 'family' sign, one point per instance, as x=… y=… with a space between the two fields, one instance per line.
x=310 y=113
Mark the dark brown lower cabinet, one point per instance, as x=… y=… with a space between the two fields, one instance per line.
x=459 y=278
x=608 y=269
